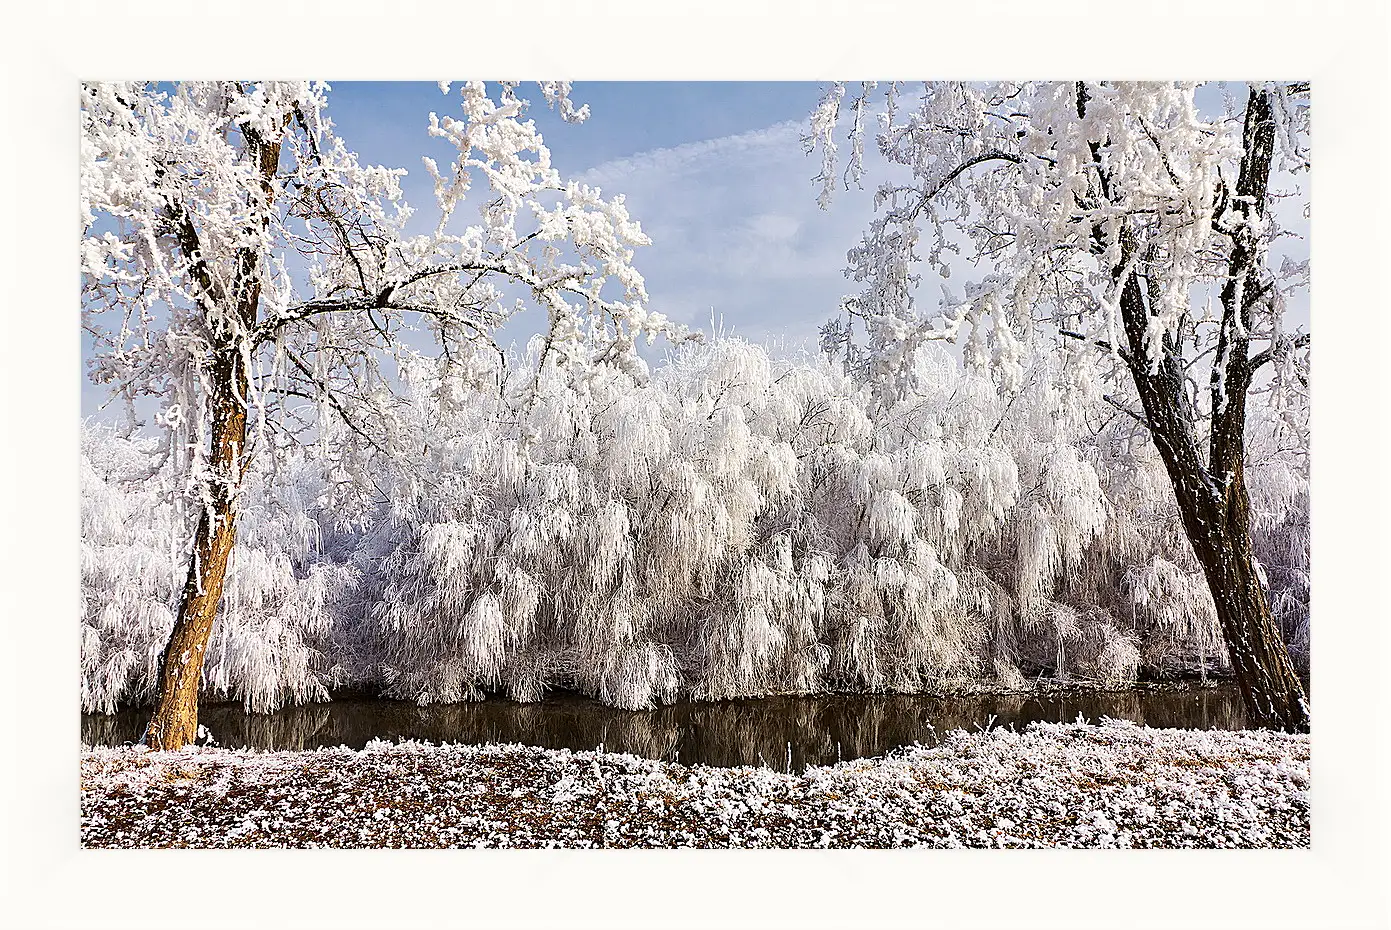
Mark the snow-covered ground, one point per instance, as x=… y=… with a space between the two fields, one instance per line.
x=1079 y=785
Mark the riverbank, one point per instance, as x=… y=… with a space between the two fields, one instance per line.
x=1073 y=785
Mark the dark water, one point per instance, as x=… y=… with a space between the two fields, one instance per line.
x=781 y=732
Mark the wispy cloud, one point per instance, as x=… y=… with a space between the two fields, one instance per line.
x=736 y=232
x=744 y=147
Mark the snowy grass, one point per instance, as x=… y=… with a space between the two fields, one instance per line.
x=1069 y=785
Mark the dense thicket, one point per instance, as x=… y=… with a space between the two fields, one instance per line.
x=731 y=525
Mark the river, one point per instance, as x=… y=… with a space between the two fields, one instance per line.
x=785 y=733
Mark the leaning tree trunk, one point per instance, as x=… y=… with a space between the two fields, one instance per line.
x=1216 y=512
x=1217 y=520
x=174 y=723
x=232 y=315
x=1212 y=494
x=1270 y=689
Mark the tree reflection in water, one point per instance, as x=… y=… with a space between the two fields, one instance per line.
x=780 y=732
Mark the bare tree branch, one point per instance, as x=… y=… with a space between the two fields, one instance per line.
x=1265 y=355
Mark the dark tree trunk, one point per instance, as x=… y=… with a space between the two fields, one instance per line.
x=1216 y=519
x=1270 y=688
x=1211 y=494
x=174 y=723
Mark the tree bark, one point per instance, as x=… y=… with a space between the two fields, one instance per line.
x=1216 y=517
x=1271 y=690
x=174 y=723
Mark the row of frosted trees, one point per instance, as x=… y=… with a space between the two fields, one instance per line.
x=731 y=525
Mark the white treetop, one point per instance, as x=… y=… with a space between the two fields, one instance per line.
x=177 y=204
x=1053 y=192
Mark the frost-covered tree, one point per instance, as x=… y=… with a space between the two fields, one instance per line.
x=244 y=268
x=1118 y=219
x=734 y=525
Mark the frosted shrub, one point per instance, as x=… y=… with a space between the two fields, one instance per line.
x=729 y=525
x=1279 y=487
x=733 y=526
x=130 y=571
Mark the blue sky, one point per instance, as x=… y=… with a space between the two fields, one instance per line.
x=714 y=171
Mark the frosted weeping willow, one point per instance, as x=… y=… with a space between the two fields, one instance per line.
x=729 y=525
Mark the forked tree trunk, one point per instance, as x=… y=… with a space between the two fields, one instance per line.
x=1211 y=494
x=1216 y=512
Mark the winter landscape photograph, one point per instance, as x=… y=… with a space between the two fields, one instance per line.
x=485 y=476
x=420 y=508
